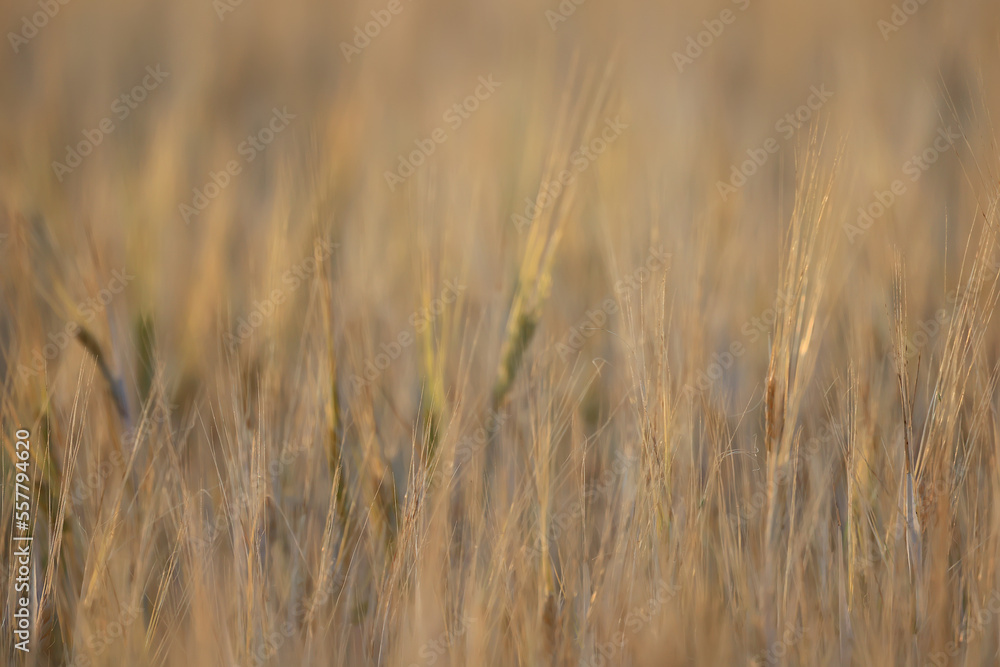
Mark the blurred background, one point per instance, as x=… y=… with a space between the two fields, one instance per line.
x=692 y=113
x=281 y=221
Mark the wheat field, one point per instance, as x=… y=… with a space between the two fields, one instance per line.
x=563 y=333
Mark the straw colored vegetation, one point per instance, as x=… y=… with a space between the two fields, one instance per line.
x=449 y=333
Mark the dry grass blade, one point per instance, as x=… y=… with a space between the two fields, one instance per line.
x=448 y=333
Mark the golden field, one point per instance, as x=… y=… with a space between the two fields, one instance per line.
x=459 y=333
